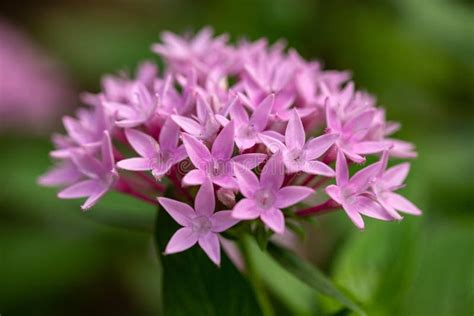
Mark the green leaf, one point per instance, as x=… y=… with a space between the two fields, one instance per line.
x=295 y=295
x=193 y=285
x=443 y=282
x=376 y=265
x=310 y=275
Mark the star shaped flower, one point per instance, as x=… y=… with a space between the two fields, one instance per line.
x=200 y=225
x=101 y=174
x=141 y=108
x=353 y=195
x=248 y=129
x=388 y=181
x=352 y=133
x=299 y=155
x=217 y=163
x=265 y=198
x=158 y=158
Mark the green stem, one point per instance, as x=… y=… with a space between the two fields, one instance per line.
x=255 y=280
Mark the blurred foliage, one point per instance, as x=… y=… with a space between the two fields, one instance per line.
x=415 y=56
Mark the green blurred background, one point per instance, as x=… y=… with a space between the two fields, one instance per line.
x=417 y=57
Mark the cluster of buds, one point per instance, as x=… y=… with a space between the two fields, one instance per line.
x=254 y=126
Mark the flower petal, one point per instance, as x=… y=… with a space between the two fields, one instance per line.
x=362 y=179
x=396 y=175
x=92 y=200
x=273 y=173
x=142 y=143
x=371 y=208
x=188 y=125
x=401 y=204
x=197 y=152
x=222 y=221
x=62 y=174
x=224 y=143
x=245 y=209
x=247 y=180
x=342 y=170
x=271 y=143
x=107 y=152
x=183 y=239
x=352 y=211
x=370 y=147
x=182 y=213
x=80 y=189
x=135 y=164
x=360 y=123
x=332 y=119
x=334 y=193
x=319 y=168
x=295 y=135
x=290 y=195
x=194 y=177
x=205 y=202
x=250 y=160
x=238 y=113
x=260 y=115
x=211 y=246
x=274 y=219
x=319 y=145
x=87 y=164
x=169 y=135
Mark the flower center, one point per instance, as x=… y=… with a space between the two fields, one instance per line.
x=296 y=156
x=201 y=225
x=264 y=198
x=217 y=168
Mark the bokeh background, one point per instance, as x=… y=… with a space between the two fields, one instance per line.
x=417 y=57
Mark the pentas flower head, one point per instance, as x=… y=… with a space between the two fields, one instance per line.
x=211 y=118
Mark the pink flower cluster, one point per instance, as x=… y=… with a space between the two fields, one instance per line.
x=256 y=127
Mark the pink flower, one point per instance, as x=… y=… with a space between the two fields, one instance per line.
x=352 y=132
x=265 y=198
x=353 y=195
x=248 y=129
x=141 y=109
x=206 y=125
x=158 y=158
x=101 y=175
x=200 y=225
x=216 y=164
x=389 y=180
x=299 y=155
x=227 y=108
